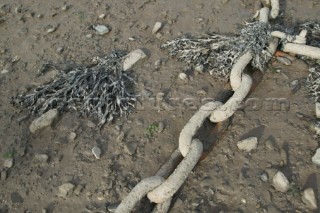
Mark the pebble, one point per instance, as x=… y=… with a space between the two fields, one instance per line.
x=42 y=157
x=60 y=49
x=199 y=68
x=64 y=7
x=113 y=207
x=316 y=157
x=248 y=144
x=284 y=60
x=44 y=120
x=101 y=29
x=157 y=63
x=160 y=127
x=121 y=136
x=96 y=151
x=102 y=16
x=16 y=198
x=157 y=27
x=72 y=136
x=131 y=148
x=4 y=175
x=8 y=163
x=183 y=76
x=78 y=190
x=264 y=177
x=132 y=58
x=5 y=71
x=201 y=92
x=309 y=198
x=280 y=182
x=52 y=29
x=65 y=190
x=295 y=86
x=318 y=109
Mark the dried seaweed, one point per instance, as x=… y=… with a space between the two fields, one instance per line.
x=100 y=91
x=218 y=53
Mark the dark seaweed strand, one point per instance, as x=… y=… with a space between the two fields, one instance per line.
x=100 y=91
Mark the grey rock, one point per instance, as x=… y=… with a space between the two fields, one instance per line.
x=264 y=177
x=101 y=29
x=309 y=198
x=42 y=157
x=65 y=190
x=96 y=151
x=8 y=163
x=113 y=207
x=131 y=148
x=44 y=120
x=280 y=182
x=72 y=136
x=316 y=157
x=3 y=175
x=132 y=58
x=160 y=127
x=78 y=189
x=157 y=27
x=248 y=144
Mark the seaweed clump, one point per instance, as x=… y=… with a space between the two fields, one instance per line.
x=103 y=91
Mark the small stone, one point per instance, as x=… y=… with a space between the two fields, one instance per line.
x=72 y=136
x=309 y=198
x=8 y=163
x=96 y=151
x=102 y=16
x=264 y=177
x=131 y=148
x=52 y=29
x=42 y=157
x=5 y=71
x=248 y=144
x=157 y=63
x=284 y=60
x=316 y=157
x=159 y=35
x=78 y=190
x=90 y=124
x=44 y=120
x=199 y=68
x=101 y=29
x=160 y=127
x=65 y=190
x=113 y=207
x=132 y=58
x=43 y=211
x=60 y=49
x=318 y=109
x=64 y=7
x=295 y=86
x=280 y=182
x=89 y=35
x=157 y=27
x=201 y=92
x=183 y=76
x=4 y=175
x=244 y=201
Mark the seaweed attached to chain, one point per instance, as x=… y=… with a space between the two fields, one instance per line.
x=218 y=53
x=102 y=91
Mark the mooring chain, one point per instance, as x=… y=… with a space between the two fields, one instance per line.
x=161 y=187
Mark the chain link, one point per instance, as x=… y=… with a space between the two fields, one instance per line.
x=160 y=191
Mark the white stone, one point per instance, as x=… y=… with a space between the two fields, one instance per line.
x=44 y=120
x=8 y=163
x=4 y=71
x=72 y=136
x=248 y=144
x=316 y=157
x=42 y=157
x=101 y=29
x=309 y=198
x=157 y=27
x=318 y=109
x=183 y=76
x=132 y=58
x=280 y=182
x=65 y=190
x=96 y=151
x=102 y=16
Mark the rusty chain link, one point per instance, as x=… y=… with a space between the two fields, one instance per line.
x=166 y=182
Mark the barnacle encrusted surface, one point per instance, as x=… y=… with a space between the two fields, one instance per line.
x=101 y=91
x=218 y=53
